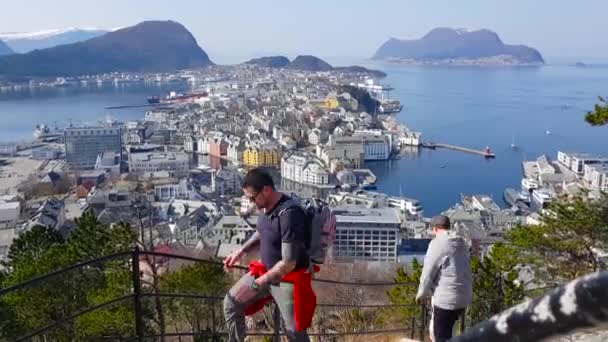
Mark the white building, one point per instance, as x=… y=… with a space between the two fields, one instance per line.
x=317 y=136
x=155 y=116
x=236 y=147
x=577 y=161
x=304 y=168
x=110 y=162
x=8 y=149
x=374 y=147
x=352 y=152
x=347 y=177
x=596 y=176
x=287 y=142
x=50 y=214
x=167 y=192
x=370 y=199
x=367 y=234
x=410 y=139
x=190 y=144
x=203 y=145
x=9 y=214
x=277 y=132
x=175 y=163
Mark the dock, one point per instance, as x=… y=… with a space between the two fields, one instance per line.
x=486 y=153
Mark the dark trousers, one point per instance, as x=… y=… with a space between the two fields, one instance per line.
x=442 y=323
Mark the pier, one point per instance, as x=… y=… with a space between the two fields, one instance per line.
x=486 y=153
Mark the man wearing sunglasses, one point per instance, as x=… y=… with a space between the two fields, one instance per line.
x=282 y=243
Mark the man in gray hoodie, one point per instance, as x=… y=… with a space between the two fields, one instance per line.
x=446 y=278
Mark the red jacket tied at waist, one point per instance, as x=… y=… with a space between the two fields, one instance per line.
x=304 y=298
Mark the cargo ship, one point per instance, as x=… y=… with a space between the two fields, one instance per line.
x=175 y=97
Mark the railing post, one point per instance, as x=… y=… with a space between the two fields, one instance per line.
x=276 y=321
x=413 y=327
x=462 y=322
x=212 y=301
x=139 y=323
x=423 y=323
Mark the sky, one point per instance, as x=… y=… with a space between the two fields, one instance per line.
x=233 y=30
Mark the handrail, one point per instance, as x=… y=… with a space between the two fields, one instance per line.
x=579 y=304
x=328 y=281
x=60 y=271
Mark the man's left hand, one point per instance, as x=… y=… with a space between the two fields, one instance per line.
x=422 y=300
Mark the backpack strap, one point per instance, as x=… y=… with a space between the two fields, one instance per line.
x=293 y=204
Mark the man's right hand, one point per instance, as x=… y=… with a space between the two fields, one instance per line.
x=233 y=259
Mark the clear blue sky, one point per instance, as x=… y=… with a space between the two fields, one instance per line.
x=232 y=29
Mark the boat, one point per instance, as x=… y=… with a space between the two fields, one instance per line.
x=154 y=100
x=390 y=107
x=487 y=153
x=175 y=97
x=43 y=131
x=443 y=165
x=513 y=146
x=548 y=132
x=381 y=93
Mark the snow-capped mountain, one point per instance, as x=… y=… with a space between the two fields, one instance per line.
x=4 y=49
x=23 y=42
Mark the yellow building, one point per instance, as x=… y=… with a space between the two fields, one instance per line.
x=267 y=156
x=331 y=102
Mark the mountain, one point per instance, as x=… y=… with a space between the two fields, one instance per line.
x=446 y=45
x=5 y=49
x=270 y=62
x=24 y=42
x=152 y=46
x=309 y=63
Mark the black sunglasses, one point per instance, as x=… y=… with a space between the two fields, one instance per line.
x=252 y=198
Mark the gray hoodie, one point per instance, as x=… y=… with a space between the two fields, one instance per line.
x=446 y=274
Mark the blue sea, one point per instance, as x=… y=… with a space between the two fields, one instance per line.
x=469 y=106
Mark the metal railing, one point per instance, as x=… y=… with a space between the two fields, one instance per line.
x=137 y=295
x=582 y=303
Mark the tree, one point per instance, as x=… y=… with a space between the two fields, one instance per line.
x=495 y=284
x=599 y=116
x=406 y=294
x=201 y=279
x=41 y=251
x=32 y=244
x=565 y=245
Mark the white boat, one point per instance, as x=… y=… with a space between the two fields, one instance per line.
x=548 y=132
x=43 y=131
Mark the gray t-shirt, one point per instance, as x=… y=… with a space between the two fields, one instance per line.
x=290 y=227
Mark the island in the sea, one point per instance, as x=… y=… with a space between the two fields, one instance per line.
x=446 y=46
